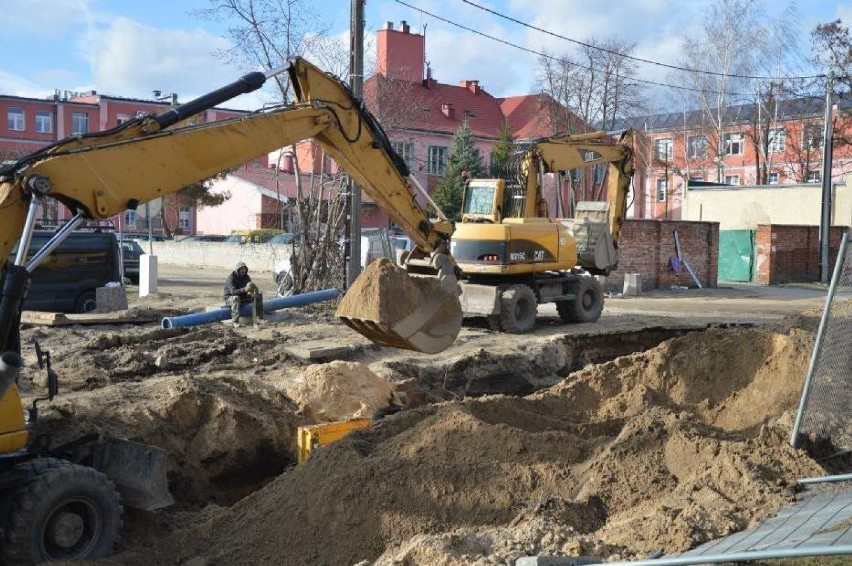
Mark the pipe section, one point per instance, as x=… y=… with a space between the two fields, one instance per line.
x=196 y=319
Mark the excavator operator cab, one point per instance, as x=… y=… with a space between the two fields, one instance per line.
x=483 y=200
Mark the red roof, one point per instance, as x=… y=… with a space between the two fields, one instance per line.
x=431 y=106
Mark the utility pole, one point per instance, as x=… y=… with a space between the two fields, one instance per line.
x=356 y=82
x=825 y=217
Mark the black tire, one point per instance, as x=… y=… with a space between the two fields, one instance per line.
x=588 y=305
x=86 y=302
x=517 y=309
x=62 y=512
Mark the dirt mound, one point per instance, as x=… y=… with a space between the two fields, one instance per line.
x=338 y=391
x=661 y=450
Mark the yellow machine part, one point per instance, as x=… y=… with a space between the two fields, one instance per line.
x=13 y=432
x=313 y=436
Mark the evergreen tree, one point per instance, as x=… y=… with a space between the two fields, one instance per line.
x=464 y=160
x=502 y=151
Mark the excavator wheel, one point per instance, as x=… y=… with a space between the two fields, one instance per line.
x=517 y=309
x=62 y=511
x=588 y=305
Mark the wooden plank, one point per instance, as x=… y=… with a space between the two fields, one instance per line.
x=62 y=319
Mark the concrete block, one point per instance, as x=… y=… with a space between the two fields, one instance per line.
x=632 y=285
x=557 y=561
x=109 y=299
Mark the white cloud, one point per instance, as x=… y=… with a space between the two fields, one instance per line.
x=39 y=19
x=14 y=85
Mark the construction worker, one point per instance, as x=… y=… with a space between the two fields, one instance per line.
x=240 y=290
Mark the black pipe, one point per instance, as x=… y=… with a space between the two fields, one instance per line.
x=14 y=288
x=248 y=83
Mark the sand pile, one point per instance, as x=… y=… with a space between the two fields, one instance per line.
x=655 y=451
x=339 y=390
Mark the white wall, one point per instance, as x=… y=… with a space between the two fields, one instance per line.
x=220 y=255
x=743 y=208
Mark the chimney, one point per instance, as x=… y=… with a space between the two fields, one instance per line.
x=472 y=86
x=447 y=109
x=400 y=54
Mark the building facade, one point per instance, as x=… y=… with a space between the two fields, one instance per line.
x=676 y=150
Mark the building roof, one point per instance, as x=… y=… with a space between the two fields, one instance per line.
x=442 y=108
x=790 y=109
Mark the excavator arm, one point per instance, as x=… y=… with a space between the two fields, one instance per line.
x=102 y=174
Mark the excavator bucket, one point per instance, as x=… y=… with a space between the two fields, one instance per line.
x=138 y=471
x=414 y=312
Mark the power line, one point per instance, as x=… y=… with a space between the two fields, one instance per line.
x=546 y=56
x=639 y=59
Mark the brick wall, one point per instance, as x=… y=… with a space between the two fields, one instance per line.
x=646 y=248
x=785 y=254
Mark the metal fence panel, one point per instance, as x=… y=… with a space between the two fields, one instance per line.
x=824 y=421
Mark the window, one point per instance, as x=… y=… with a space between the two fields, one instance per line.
x=405 y=149
x=777 y=140
x=812 y=137
x=43 y=121
x=696 y=146
x=121 y=119
x=732 y=179
x=79 y=123
x=662 y=189
x=15 y=119
x=184 y=217
x=814 y=177
x=663 y=149
x=733 y=144
x=772 y=178
x=437 y=159
x=130 y=217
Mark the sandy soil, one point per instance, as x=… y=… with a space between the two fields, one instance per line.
x=678 y=438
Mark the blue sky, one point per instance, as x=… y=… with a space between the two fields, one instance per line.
x=131 y=47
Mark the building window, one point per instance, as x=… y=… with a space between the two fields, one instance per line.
x=696 y=146
x=732 y=179
x=777 y=140
x=812 y=137
x=733 y=144
x=130 y=218
x=185 y=217
x=121 y=119
x=772 y=178
x=438 y=155
x=663 y=149
x=662 y=189
x=43 y=122
x=405 y=149
x=15 y=119
x=814 y=177
x=79 y=123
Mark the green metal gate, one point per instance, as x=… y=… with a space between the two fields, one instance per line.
x=736 y=255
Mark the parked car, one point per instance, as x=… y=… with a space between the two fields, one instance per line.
x=130 y=252
x=285 y=238
x=204 y=238
x=145 y=238
x=65 y=281
x=258 y=236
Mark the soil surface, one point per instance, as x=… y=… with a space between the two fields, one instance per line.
x=660 y=427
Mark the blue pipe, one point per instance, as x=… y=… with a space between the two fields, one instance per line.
x=196 y=319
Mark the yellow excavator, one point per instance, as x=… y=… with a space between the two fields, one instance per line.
x=64 y=502
x=512 y=256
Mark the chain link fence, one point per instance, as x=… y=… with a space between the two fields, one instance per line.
x=824 y=422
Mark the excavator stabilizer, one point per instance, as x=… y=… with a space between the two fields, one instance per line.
x=414 y=312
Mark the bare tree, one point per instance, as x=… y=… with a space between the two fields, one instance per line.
x=597 y=85
x=268 y=33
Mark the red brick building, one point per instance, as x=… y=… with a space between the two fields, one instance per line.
x=676 y=149
x=33 y=123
